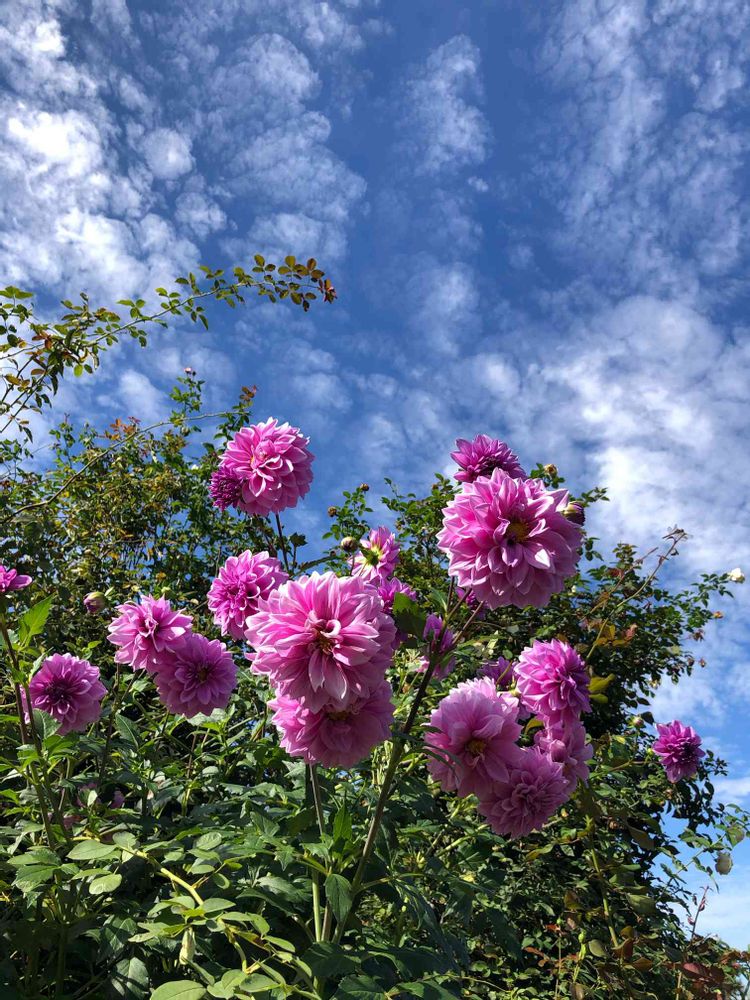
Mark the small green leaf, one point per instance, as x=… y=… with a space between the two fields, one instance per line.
x=179 y=989
x=105 y=884
x=33 y=622
x=91 y=850
x=339 y=895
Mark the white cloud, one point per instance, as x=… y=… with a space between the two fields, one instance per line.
x=167 y=153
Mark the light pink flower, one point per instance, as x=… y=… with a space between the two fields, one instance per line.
x=445 y=663
x=534 y=790
x=11 y=579
x=482 y=456
x=197 y=676
x=69 y=690
x=566 y=745
x=146 y=632
x=509 y=540
x=335 y=737
x=679 y=748
x=323 y=640
x=272 y=463
x=241 y=583
x=553 y=682
x=378 y=560
x=477 y=727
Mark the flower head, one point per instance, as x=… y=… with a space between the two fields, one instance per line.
x=335 y=737
x=69 y=690
x=736 y=575
x=534 y=789
x=500 y=672
x=567 y=746
x=553 y=682
x=445 y=662
x=482 y=456
x=378 y=558
x=225 y=488
x=509 y=540
x=147 y=632
x=197 y=676
x=387 y=590
x=95 y=602
x=477 y=727
x=323 y=640
x=242 y=582
x=273 y=465
x=679 y=749
x=11 y=579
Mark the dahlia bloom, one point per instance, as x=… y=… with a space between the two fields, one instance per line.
x=11 y=579
x=553 y=683
x=69 y=690
x=378 y=560
x=147 y=632
x=196 y=676
x=225 y=488
x=241 y=583
x=482 y=456
x=387 y=591
x=567 y=746
x=445 y=663
x=679 y=749
x=509 y=540
x=500 y=672
x=477 y=727
x=335 y=737
x=322 y=639
x=273 y=465
x=534 y=790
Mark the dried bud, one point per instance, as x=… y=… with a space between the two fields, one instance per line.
x=550 y=470
x=736 y=575
x=724 y=862
x=95 y=602
x=575 y=512
x=333 y=511
x=348 y=544
x=364 y=487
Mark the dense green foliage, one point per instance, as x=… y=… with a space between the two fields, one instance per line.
x=217 y=875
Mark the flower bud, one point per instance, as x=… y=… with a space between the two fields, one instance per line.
x=575 y=512
x=95 y=602
x=364 y=487
x=736 y=575
x=333 y=511
x=724 y=862
x=637 y=722
x=550 y=469
x=348 y=544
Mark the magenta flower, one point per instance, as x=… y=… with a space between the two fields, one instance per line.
x=482 y=456
x=272 y=463
x=477 y=727
x=11 y=579
x=378 y=559
x=146 y=632
x=679 y=749
x=241 y=583
x=323 y=640
x=567 y=746
x=534 y=790
x=500 y=672
x=69 y=690
x=335 y=737
x=196 y=676
x=445 y=663
x=553 y=682
x=387 y=590
x=225 y=488
x=509 y=541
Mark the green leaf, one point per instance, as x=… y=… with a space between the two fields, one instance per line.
x=105 y=884
x=596 y=948
x=330 y=960
x=339 y=895
x=91 y=850
x=129 y=979
x=641 y=904
x=208 y=841
x=179 y=989
x=33 y=622
x=409 y=616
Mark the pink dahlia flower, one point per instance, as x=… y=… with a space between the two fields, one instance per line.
x=241 y=583
x=482 y=456
x=273 y=464
x=147 y=632
x=69 y=690
x=11 y=579
x=567 y=746
x=553 y=682
x=445 y=663
x=477 y=727
x=509 y=541
x=197 y=676
x=679 y=749
x=335 y=737
x=323 y=640
x=387 y=590
x=378 y=559
x=225 y=488
x=534 y=790
x=500 y=672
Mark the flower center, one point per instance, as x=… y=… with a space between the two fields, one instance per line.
x=58 y=693
x=203 y=672
x=517 y=531
x=340 y=716
x=325 y=636
x=475 y=747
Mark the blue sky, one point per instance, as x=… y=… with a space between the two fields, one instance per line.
x=535 y=215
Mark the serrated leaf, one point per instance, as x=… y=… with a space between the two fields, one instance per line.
x=339 y=895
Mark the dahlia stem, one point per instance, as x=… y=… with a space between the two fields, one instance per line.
x=282 y=542
x=317 y=798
